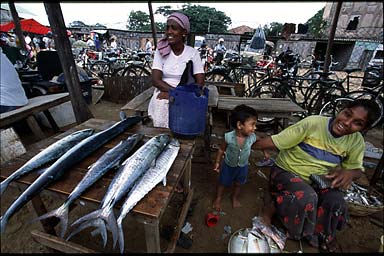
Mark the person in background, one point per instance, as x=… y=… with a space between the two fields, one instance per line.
x=113 y=42
x=170 y=60
x=90 y=43
x=220 y=51
x=148 y=46
x=329 y=146
x=12 y=94
x=236 y=149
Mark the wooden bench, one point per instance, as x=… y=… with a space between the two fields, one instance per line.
x=235 y=89
x=34 y=106
x=266 y=107
x=148 y=211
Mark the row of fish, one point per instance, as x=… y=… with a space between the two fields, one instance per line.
x=138 y=175
x=135 y=177
x=68 y=154
x=361 y=195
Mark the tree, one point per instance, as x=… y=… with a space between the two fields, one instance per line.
x=203 y=19
x=316 y=24
x=273 y=29
x=140 y=21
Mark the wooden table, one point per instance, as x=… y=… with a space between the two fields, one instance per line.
x=268 y=107
x=34 y=106
x=148 y=211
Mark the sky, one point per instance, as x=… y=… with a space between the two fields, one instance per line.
x=115 y=14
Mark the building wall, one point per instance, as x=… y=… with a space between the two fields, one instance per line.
x=370 y=25
x=361 y=54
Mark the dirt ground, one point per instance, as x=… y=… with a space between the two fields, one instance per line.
x=361 y=235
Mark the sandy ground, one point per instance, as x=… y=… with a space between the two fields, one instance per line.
x=361 y=235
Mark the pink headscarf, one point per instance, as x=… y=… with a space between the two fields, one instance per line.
x=183 y=21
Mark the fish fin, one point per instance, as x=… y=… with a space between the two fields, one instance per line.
x=165 y=181
x=89 y=167
x=122 y=115
x=60 y=213
x=121 y=234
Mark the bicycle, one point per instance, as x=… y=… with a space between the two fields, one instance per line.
x=376 y=93
x=233 y=70
x=139 y=66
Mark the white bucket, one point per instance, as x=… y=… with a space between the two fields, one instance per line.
x=62 y=114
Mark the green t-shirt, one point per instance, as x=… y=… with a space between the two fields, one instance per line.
x=308 y=147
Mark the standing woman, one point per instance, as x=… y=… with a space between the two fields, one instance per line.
x=320 y=145
x=171 y=57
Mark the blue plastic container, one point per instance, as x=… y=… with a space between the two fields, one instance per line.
x=188 y=106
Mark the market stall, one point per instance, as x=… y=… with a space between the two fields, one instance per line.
x=148 y=211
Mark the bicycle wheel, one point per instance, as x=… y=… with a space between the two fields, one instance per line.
x=369 y=96
x=319 y=93
x=100 y=68
x=331 y=108
x=136 y=71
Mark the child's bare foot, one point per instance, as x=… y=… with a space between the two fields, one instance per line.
x=236 y=203
x=217 y=204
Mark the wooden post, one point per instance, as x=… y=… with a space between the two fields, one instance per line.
x=332 y=37
x=18 y=30
x=153 y=24
x=63 y=47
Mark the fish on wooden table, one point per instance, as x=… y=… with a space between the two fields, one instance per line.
x=49 y=154
x=66 y=161
x=110 y=159
x=128 y=173
x=147 y=182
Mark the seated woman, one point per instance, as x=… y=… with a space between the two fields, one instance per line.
x=333 y=147
x=169 y=63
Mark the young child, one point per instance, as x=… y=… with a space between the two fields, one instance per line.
x=236 y=148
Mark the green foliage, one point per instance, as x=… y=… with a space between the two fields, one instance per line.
x=203 y=19
x=273 y=29
x=140 y=21
x=316 y=24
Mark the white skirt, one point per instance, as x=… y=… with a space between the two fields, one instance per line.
x=158 y=110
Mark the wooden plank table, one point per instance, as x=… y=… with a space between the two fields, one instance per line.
x=148 y=211
x=266 y=107
x=34 y=106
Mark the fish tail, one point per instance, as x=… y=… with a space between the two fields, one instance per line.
x=91 y=223
x=121 y=234
x=60 y=213
x=102 y=230
x=92 y=215
x=111 y=224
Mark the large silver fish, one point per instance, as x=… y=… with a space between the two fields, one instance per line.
x=110 y=159
x=147 y=182
x=53 y=152
x=70 y=158
x=124 y=179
